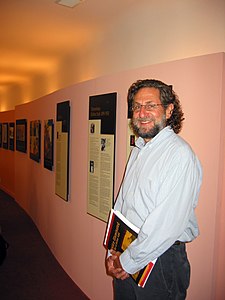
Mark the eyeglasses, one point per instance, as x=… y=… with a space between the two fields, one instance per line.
x=148 y=107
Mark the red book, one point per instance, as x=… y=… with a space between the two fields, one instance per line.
x=120 y=233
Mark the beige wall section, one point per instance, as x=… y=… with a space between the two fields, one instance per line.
x=75 y=237
x=149 y=32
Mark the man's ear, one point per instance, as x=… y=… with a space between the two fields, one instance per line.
x=169 y=110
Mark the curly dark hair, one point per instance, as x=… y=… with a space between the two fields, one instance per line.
x=167 y=96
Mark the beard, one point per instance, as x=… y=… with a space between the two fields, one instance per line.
x=147 y=133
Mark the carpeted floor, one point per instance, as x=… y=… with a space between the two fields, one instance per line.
x=30 y=271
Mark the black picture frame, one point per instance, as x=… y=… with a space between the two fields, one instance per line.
x=11 y=136
x=35 y=140
x=0 y=135
x=48 y=144
x=5 y=135
x=21 y=135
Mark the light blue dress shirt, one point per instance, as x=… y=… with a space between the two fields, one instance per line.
x=159 y=194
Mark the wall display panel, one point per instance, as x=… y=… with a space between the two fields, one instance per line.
x=131 y=138
x=11 y=136
x=5 y=135
x=21 y=135
x=48 y=144
x=62 y=150
x=101 y=154
x=35 y=140
x=0 y=135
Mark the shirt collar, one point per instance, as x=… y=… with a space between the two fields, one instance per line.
x=140 y=142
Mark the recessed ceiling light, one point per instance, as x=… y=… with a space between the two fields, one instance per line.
x=69 y=3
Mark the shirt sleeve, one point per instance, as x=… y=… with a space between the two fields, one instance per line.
x=119 y=200
x=172 y=216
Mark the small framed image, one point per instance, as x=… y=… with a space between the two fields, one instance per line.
x=11 y=136
x=35 y=140
x=21 y=135
x=0 y=135
x=48 y=144
x=5 y=135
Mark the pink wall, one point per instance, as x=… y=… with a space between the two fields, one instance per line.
x=75 y=237
x=219 y=268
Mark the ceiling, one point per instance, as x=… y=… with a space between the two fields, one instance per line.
x=36 y=33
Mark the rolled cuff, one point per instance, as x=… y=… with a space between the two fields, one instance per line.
x=128 y=263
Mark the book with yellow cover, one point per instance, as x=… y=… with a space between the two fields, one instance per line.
x=120 y=233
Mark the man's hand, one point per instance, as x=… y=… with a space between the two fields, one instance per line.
x=113 y=266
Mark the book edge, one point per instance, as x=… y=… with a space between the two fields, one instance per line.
x=127 y=222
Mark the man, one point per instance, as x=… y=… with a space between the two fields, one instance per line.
x=159 y=194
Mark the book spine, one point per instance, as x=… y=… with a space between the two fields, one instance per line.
x=145 y=275
x=109 y=228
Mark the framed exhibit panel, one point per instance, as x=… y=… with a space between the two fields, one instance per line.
x=35 y=140
x=48 y=144
x=5 y=135
x=101 y=154
x=11 y=136
x=21 y=135
x=131 y=138
x=62 y=150
x=0 y=135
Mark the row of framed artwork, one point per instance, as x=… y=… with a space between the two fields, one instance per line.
x=8 y=135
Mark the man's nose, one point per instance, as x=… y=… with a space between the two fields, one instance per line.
x=143 y=111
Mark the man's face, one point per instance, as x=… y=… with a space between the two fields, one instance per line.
x=149 y=115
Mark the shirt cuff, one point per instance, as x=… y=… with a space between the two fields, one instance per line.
x=128 y=263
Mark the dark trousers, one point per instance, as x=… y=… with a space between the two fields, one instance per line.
x=169 y=279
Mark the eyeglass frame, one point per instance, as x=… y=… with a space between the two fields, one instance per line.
x=151 y=107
